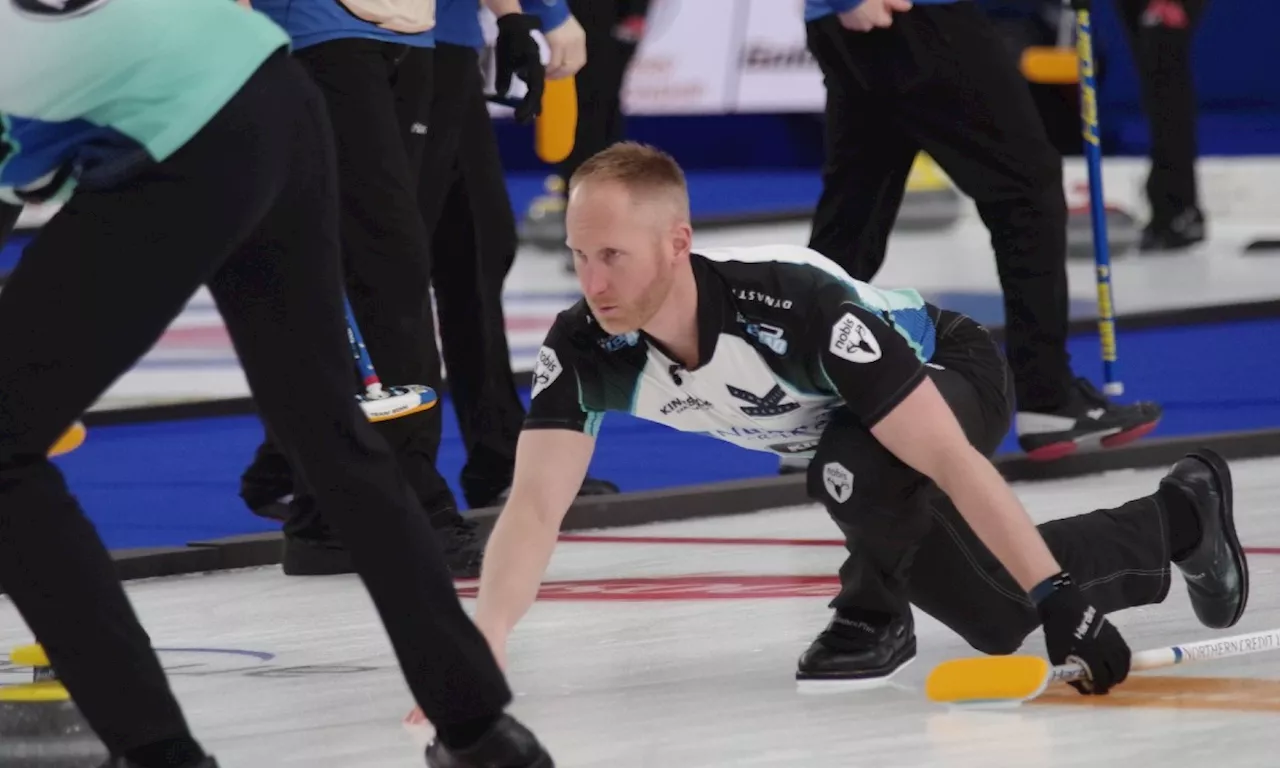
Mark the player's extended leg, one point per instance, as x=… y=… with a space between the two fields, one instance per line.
x=975 y=115
x=119 y=264
x=281 y=298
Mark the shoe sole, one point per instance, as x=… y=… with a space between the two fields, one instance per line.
x=824 y=685
x=1060 y=450
x=1222 y=472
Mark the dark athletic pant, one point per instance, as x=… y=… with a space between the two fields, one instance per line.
x=1161 y=44
x=940 y=80
x=8 y=219
x=909 y=544
x=601 y=122
x=463 y=201
x=248 y=207
x=376 y=92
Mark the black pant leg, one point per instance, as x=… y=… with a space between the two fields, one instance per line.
x=284 y=314
x=909 y=544
x=599 y=82
x=370 y=93
x=1160 y=34
x=8 y=220
x=155 y=239
x=475 y=245
x=867 y=158
x=972 y=111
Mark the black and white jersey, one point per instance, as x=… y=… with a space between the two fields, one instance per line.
x=785 y=337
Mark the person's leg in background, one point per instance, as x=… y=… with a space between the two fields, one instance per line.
x=613 y=29
x=385 y=250
x=1160 y=34
x=945 y=80
x=474 y=245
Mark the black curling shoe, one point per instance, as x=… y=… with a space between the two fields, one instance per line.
x=1215 y=569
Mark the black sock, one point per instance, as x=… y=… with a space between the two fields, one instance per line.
x=180 y=752
x=464 y=734
x=1183 y=522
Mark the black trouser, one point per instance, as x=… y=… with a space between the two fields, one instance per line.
x=1160 y=34
x=599 y=82
x=909 y=544
x=248 y=207
x=462 y=195
x=8 y=219
x=940 y=80
x=378 y=96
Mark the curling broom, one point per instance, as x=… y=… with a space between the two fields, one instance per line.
x=1011 y=680
x=383 y=403
x=1053 y=64
x=1097 y=201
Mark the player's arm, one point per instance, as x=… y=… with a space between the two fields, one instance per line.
x=552 y=455
x=882 y=380
x=550 y=467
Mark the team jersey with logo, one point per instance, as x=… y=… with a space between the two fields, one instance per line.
x=785 y=338
x=92 y=89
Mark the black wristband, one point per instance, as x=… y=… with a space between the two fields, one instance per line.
x=1050 y=585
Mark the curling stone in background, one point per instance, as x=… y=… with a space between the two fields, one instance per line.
x=1123 y=232
x=40 y=727
x=543 y=225
x=931 y=202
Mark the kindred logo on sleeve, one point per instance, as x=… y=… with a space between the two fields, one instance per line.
x=852 y=340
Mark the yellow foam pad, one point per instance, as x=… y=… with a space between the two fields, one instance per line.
x=1050 y=66
x=30 y=656
x=557 y=124
x=991 y=679
x=34 y=693
x=72 y=439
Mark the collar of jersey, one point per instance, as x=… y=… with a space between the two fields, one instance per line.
x=716 y=312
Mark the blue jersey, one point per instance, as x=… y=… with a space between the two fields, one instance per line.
x=458 y=21
x=310 y=22
x=816 y=9
x=89 y=92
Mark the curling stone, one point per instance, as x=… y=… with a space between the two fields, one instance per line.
x=931 y=202
x=543 y=225
x=40 y=727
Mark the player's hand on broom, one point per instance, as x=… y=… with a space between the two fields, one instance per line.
x=568 y=44
x=872 y=14
x=1075 y=631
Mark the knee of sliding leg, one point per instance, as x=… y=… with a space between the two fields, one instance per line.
x=995 y=638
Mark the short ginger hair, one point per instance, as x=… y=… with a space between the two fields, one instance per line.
x=640 y=168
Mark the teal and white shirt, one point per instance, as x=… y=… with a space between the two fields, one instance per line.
x=786 y=338
x=92 y=89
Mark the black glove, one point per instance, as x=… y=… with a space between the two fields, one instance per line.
x=1075 y=631
x=517 y=53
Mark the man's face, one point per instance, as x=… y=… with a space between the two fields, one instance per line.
x=623 y=251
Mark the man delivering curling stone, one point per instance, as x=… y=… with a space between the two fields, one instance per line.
x=899 y=403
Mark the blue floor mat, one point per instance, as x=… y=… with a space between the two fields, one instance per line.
x=169 y=483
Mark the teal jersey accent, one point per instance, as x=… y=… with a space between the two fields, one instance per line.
x=92 y=88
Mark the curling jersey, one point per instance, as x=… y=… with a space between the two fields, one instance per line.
x=92 y=89
x=785 y=339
